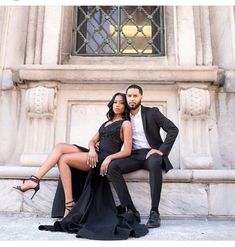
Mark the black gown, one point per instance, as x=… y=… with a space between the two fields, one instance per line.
x=95 y=215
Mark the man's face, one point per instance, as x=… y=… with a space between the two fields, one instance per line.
x=134 y=98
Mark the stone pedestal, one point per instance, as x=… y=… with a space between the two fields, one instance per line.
x=194 y=130
x=40 y=125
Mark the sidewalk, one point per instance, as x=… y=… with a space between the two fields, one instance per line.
x=25 y=227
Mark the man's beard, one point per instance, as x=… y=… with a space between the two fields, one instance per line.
x=134 y=106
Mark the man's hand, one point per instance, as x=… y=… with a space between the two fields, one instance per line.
x=104 y=166
x=153 y=151
x=92 y=158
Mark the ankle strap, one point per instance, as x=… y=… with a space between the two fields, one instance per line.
x=69 y=202
x=34 y=179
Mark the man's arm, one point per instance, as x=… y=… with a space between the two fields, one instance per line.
x=169 y=128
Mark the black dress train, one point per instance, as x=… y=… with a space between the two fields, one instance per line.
x=95 y=215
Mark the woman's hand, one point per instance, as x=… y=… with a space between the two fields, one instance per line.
x=97 y=146
x=104 y=166
x=92 y=158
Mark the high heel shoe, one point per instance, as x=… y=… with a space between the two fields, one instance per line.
x=36 y=189
x=69 y=207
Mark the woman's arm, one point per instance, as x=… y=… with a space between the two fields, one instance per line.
x=92 y=157
x=126 y=132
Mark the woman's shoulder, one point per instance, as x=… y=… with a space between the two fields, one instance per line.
x=126 y=122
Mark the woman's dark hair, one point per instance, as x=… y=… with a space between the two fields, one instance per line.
x=125 y=114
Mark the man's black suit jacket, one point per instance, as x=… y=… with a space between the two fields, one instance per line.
x=153 y=121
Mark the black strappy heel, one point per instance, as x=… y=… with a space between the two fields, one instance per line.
x=36 y=189
x=69 y=207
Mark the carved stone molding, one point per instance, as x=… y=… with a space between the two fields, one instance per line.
x=109 y=73
x=39 y=141
x=40 y=102
x=194 y=103
x=194 y=130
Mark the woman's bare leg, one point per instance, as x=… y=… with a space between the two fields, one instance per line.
x=54 y=156
x=50 y=162
x=76 y=160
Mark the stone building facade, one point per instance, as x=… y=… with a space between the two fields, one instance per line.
x=48 y=95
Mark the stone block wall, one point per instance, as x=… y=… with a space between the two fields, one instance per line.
x=189 y=193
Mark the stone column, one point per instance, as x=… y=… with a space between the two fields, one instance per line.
x=185 y=35
x=35 y=34
x=31 y=34
x=206 y=35
x=51 y=34
x=11 y=53
x=39 y=140
x=202 y=35
x=198 y=35
x=194 y=131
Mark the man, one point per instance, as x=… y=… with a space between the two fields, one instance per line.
x=149 y=152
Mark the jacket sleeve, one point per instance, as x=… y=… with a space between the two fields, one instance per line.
x=169 y=127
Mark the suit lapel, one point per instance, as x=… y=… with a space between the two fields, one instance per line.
x=143 y=115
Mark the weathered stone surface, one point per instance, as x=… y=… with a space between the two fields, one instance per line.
x=184 y=199
x=81 y=73
x=140 y=196
x=226 y=123
x=42 y=202
x=185 y=32
x=11 y=199
x=213 y=176
x=229 y=81
x=177 y=198
x=20 y=172
x=222 y=199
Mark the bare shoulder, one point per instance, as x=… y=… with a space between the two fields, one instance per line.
x=126 y=124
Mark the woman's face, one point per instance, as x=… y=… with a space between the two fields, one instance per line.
x=118 y=105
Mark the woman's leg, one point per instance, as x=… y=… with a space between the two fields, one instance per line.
x=54 y=156
x=51 y=161
x=78 y=161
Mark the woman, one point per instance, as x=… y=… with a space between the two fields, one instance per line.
x=95 y=215
x=78 y=157
x=118 y=114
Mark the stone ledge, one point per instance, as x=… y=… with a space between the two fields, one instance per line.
x=23 y=172
x=109 y=73
x=176 y=175
x=196 y=193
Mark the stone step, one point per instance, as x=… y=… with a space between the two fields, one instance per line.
x=192 y=193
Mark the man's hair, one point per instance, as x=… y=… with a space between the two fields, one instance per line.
x=136 y=87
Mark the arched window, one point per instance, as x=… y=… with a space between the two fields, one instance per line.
x=119 y=31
